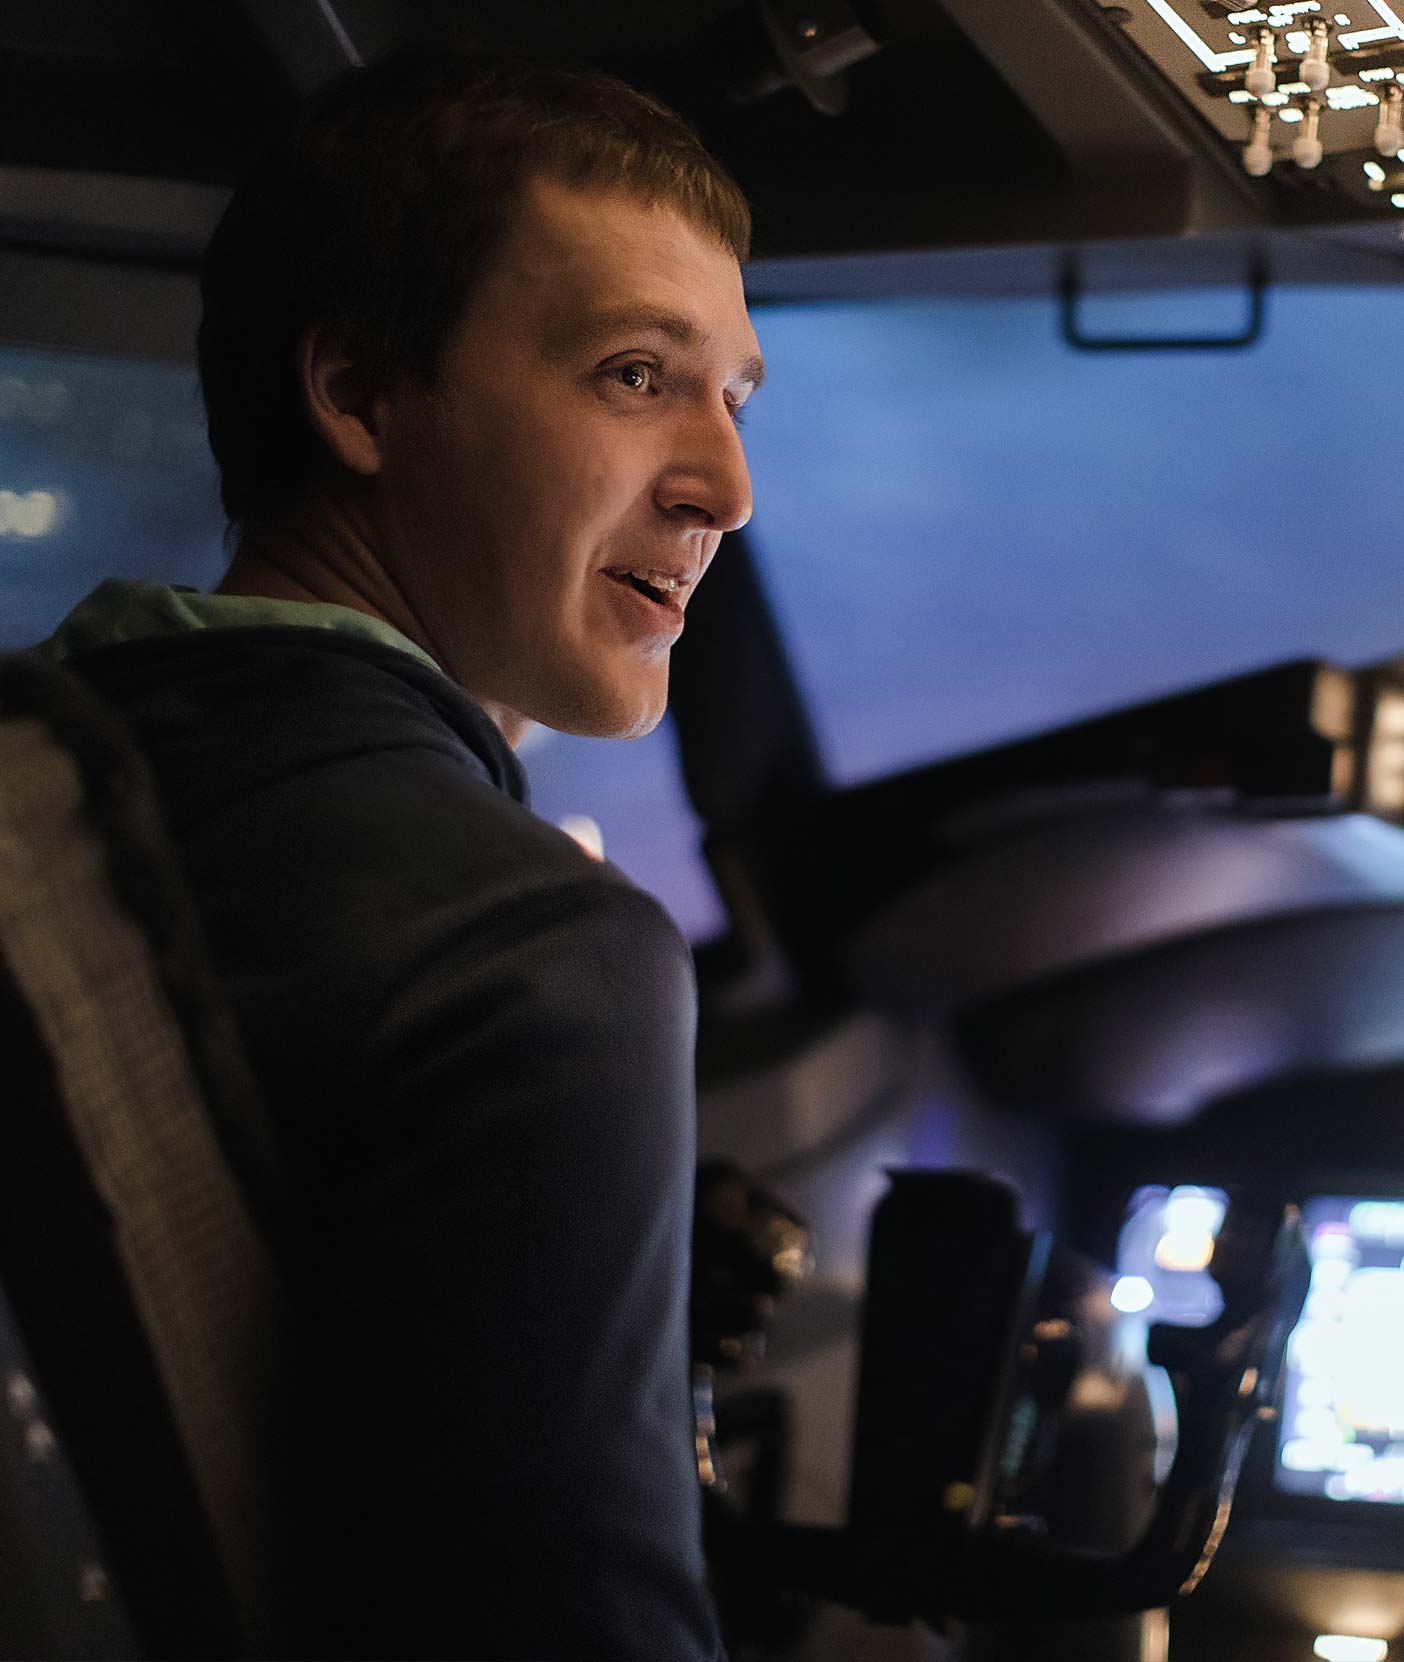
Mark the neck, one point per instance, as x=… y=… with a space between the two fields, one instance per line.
x=322 y=553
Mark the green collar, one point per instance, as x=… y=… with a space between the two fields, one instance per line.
x=118 y=610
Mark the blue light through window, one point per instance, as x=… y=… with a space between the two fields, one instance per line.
x=972 y=532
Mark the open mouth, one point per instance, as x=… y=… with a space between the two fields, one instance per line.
x=660 y=589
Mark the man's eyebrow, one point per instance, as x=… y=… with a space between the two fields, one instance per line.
x=753 y=372
x=578 y=333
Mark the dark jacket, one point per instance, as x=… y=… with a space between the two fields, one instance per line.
x=476 y=1044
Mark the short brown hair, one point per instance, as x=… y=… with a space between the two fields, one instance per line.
x=383 y=208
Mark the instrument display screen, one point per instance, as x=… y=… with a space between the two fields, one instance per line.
x=1342 y=1429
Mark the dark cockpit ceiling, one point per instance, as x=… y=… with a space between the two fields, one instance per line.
x=961 y=126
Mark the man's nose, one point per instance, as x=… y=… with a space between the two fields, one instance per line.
x=708 y=482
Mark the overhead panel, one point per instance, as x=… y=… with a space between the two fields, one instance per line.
x=1308 y=91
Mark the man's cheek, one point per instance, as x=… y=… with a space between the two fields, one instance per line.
x=601 y=486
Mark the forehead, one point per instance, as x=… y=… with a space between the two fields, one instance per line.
x=572 y=253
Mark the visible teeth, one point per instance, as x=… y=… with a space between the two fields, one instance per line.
x=658 y=580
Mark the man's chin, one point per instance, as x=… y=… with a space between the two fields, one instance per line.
x=637 y=726
x=607 y=713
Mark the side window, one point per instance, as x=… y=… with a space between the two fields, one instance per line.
x=632 y=794
x=104 y=472
x=971 y=531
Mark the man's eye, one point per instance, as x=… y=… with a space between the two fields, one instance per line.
x=636 y=377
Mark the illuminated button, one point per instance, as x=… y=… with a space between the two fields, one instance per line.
x=1185 y=1249
x=1191 y=1222
x=1349 y=97
x=1347 y=1647
x=1131 y=1294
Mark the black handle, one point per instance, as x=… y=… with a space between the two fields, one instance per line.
x=1070 y=296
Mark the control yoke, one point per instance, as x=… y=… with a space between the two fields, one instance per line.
x=1011 y=1440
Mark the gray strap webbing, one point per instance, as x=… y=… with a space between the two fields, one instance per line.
x=200 y=1275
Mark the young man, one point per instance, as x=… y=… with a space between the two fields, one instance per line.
x=473 y=350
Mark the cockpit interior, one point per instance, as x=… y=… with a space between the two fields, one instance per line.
x=1031 y=793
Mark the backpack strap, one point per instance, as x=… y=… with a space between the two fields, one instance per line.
x=160 y=1166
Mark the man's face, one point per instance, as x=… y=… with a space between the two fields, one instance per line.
x=582 y=428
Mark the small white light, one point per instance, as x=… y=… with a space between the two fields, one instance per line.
x=1239 y=96
x=1343 y=20
x=30 y=514
x=1237 y=39
x=1132 y=1294
x=1373 y=170
x=586 y=832
x=1397 y=200
x=1346 y=1647
x=1291 y=115
x=35 y=513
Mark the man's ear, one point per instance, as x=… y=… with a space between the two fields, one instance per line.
x=341 y=397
